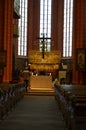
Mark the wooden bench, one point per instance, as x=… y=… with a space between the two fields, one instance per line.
x=10 y=94
x=72 y=103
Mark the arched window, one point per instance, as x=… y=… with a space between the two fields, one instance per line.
x=22 y=40
x=67 y=28
x=45 y=24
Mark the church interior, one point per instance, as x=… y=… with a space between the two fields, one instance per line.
x=47 y=39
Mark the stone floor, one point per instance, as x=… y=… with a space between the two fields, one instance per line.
x=34 y=113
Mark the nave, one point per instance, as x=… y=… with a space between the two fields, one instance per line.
x=34 y=113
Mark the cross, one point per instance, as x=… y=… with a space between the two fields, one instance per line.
x=43 y=44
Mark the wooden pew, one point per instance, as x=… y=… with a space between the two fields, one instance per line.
x=72 y=103
x=10 y=94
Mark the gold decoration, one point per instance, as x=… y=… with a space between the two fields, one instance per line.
x=50 y=61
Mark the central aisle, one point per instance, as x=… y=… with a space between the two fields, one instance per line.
x=34 y=113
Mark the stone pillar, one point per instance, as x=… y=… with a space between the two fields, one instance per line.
x=57 y=25
x=33 y=24
x=8 y=37
x=79 y=36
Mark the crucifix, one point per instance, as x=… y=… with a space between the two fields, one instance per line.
x=44 y=42
x=45 y=20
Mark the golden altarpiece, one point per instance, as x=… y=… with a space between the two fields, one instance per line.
x=50 y=61
x=45 y=64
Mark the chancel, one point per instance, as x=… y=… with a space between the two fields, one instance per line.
x=43 y=67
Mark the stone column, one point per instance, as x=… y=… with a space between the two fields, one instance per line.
x=33 y=24
x=8 y=38
x=79 y=36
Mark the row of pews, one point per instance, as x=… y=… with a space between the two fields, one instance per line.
x=72 y=103
x=10 y=95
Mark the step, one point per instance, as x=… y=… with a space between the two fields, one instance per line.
x=40 y=92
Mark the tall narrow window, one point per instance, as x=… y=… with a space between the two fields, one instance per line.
x=45 y=24
x=67 y=28
x=22 y=40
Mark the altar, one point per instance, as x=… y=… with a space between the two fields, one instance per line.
x=46 y=64
x=41 y=82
